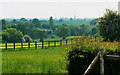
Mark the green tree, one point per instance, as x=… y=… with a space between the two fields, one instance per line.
x=94 y=22
x=84 y=30
x=51 y=23
x=36 y=22
x=12 y=35
x=94 y=31
x=23 y=19
x=14 y=21
x=60 y=20
x=63 y=32
x=42 y=34
x=3 y=22
x=21 y=26
x=109 y=27
x=74 y=30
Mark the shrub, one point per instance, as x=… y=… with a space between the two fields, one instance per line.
x=80 y=55
x=83 y=51
x=12 y=35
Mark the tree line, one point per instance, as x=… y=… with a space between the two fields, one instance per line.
x=24 y=30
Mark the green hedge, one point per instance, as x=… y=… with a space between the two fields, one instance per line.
x=80 y=56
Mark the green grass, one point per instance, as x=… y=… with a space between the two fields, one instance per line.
x=56 y=38
x=50 y=60
x=49 y=39
x=75 y=23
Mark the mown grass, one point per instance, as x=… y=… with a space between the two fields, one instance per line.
x=49 y=60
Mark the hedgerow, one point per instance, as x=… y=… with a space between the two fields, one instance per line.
x=83 y=51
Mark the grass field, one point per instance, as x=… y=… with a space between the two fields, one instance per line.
x=75 y=23
x=50 y=60
x=56 y=38
x=47 y=60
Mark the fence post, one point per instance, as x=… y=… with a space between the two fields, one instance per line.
x=54 y=43
x=14 y=45
x=6 y=45
x=101 y=62
x=66 y=41
x=60 y=42
x=48 y=43
x=35 y=45
x=21 y=44
x=28 y=44
x=42 y=44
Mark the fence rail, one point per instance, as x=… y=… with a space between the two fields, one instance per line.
x=35 y=44
x=39 y=44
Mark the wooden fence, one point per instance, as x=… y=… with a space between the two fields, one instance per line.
x=35 y=44
x=100 y=56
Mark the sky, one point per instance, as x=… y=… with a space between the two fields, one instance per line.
x=55 y=8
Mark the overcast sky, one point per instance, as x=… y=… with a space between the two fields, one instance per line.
x=55 y=8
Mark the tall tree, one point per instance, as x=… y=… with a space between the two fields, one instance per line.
x=3 y=22
x=51 y=23
x=63 y=32
x=42 y=34
x=109 y=27
x=36 y=22
x=21 y=26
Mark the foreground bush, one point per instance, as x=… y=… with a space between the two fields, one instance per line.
x=83 y=51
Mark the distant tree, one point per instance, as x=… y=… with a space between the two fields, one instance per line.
x=84 y=30
x=21 y=26
x=94 y=31
x=14 y=21
x=42 y=34
x=14 y=26
x=71 y=19
x=51 y=23
x=3 y=22
x=60 y=20
x=94 y=22
x=63 y=32
x=109 y=27
x=74 y=30
x=12 y=35
x=36 y=22
x=23 y=19
x=82 y=25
